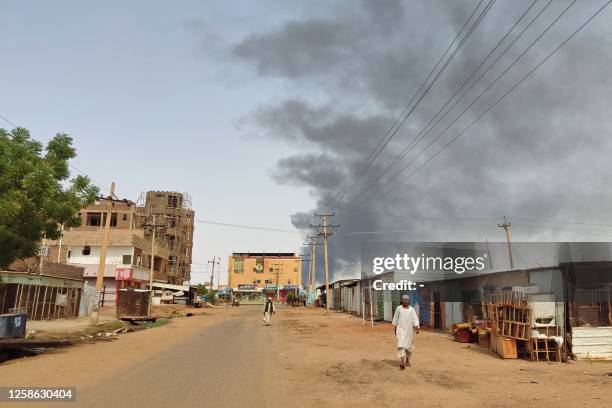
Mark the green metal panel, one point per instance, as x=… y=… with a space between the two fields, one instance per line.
x=395 y=299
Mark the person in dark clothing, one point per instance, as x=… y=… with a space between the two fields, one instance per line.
x=268 y=310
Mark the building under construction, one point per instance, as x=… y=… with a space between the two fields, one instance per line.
x=172 y=212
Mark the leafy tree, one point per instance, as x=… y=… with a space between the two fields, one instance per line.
x=36 y=195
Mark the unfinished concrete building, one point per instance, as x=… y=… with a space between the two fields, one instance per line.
x=172 y=211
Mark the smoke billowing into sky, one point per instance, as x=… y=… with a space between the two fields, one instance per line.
x=350 y=67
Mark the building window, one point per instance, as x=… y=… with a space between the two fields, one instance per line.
x=268 y=281
x=238 y=265
x=69 y=252
x=288 y=281
x=127 y=260
x=271 y=269
x=86 y=250
x=172 y=201
x=124 y=217
x=113 y=222
x=93 y=219
x=258 y=281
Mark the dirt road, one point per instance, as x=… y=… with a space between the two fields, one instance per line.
x=227 y=358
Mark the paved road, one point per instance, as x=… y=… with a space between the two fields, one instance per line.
x=223 y=365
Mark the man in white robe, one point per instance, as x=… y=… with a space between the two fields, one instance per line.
x=268 y=310
x=405 y=322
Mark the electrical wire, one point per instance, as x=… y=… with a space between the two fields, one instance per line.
x=252 y=227
x=516 y=85
x=406 y=111
x=424 y=132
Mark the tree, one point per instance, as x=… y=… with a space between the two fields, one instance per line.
x=36 y=195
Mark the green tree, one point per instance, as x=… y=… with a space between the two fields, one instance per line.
x=36 y=194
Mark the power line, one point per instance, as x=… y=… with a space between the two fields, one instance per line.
x=464 y=219
x=499 y=99
x=399 y=121
x=562 y=222
x=435 y=218
x=424 y=132
x=577 y=231
x=253 y=227
x=8 y=121
x=397 y=174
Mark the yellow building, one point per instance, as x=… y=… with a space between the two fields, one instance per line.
x=255 y=275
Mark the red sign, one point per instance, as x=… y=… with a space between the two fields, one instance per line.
x=122 y=274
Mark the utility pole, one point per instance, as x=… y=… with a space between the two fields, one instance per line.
x=327 y=231
x=506 y=227
x=102 y=261
x=212 y=273
x=313 y=265
x=154 y=226
x=279 y=271
x=299 y=282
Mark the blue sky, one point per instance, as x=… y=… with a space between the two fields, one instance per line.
x=153 y=102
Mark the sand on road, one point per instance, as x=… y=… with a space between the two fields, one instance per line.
x=227 y=358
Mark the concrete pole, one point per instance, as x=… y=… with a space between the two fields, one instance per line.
x=314 y=269
x=327 y=298
x=506 y=227
x=152 y=265
x=102 y=261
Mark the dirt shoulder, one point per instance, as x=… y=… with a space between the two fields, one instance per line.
x=87 y=364
x=336 y=361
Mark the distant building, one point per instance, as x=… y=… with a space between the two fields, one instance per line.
x=255 y=275
x=172 y=210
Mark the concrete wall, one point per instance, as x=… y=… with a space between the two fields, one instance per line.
x=110 y=290
x=114 y=256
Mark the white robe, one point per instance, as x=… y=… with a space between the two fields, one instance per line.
x=405 y=321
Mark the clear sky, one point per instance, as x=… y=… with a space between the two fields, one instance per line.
x=151 y=101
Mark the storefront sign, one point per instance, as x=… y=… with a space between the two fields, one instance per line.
x=122 y=274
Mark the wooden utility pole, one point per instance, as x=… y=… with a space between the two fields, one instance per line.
x=313 y=265
x=278 y=273
x=154 y=227
x=506 y=227
x=212 y=273
x=102 y=260
x=327 y=231
x=152 y=270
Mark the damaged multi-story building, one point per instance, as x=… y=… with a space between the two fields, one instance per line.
x=172 y=212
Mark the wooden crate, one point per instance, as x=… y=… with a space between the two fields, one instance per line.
x=484 y=340
x=505 y=347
